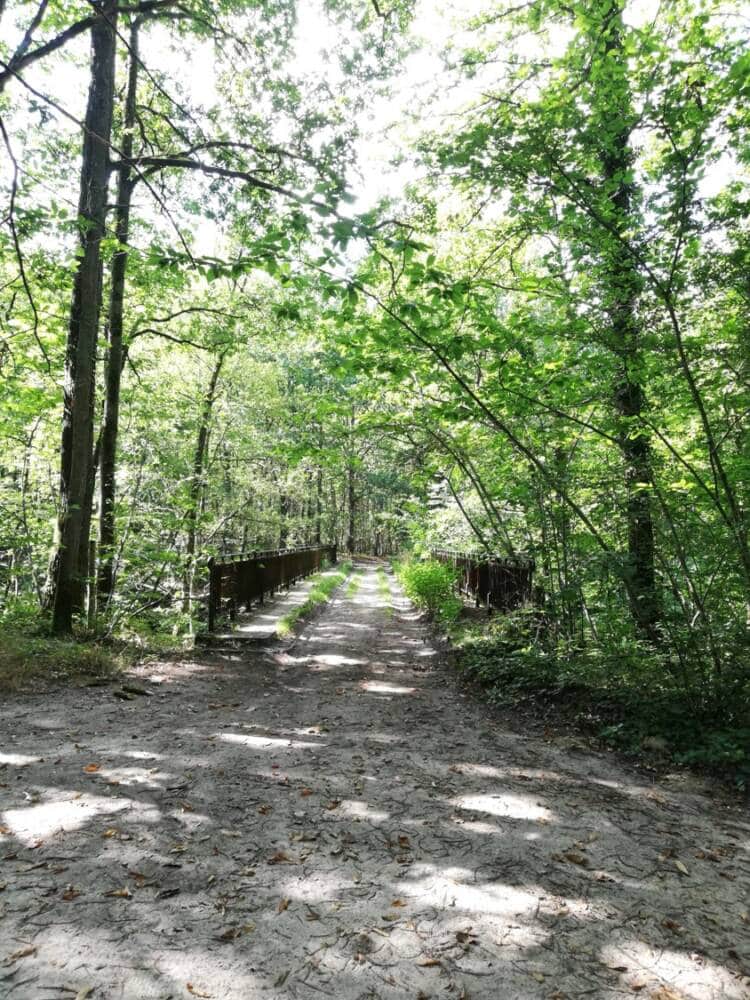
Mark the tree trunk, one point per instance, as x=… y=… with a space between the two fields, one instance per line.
x=319 y=507
x=115 y=359
x=196 y=483
x=623 y=286
x=284 y=507
x=351 y=504
x=80 y=359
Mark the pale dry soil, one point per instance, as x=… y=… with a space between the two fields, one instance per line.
x=336 y=818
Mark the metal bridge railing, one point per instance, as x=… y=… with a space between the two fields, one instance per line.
x=496 y=581
x=240 y=579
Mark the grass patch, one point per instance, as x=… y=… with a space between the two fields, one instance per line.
x=35 y=662
x=384 y=589
x=354 y=583
x=323 y=586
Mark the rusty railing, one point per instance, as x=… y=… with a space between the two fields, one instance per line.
x=495 y=581
x=237 y=581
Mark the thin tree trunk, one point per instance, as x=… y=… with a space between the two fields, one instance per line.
x=80 y=359
x=196 y=483
x=115 y=358
x=351 y=505
x=319 y=507
x=284 y=506
x=87 y=569
x=624 y=284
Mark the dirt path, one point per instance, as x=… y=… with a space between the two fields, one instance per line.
x=337 y=820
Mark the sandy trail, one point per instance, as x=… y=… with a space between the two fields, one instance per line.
x=336 y=818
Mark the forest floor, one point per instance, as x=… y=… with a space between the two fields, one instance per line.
x=334 y=817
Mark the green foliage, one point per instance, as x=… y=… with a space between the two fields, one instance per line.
x=354 y=582
x=384 y=590
x=31 y=660
x=630 y=696
x=323 y=585
x=431 y=585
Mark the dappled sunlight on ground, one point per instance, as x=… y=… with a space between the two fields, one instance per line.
x=37 y=823
x=516 y=806
x=377 y=687
x=265 y=742
x=687 y=975
x=334 y=818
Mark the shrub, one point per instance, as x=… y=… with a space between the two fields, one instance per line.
x=431 y=585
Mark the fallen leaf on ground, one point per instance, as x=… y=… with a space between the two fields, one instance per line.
x=265 y=810
x=428 y=963
x=397 y=902
x=305 y=792
x=229 y=934
x=70 y=893
x=4 y=829
x=283 y=905
x=123 y=893
x=196 y=992
x=112 y=832
x=91 y=768
x=403 y=841
x=681 y=867
x=281 y=858
x=21 y=953
x=333 y=804
x=576 y=858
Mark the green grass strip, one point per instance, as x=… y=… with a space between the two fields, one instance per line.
x=354 y=583
x=384 y=589
x=323 y=586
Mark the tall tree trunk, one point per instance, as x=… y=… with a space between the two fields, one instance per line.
x=351 y=505
x=196 y=483
x=623 y=287
x=115 y=358
x=80 y=358
x=86 y=569
x=319 y=507
x=284 y=508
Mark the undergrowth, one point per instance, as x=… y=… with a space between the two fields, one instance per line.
x=431 y=585
x=629 y=695
x=323 y=585
x=32 y=659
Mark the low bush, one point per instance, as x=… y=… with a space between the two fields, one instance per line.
x=431 y=585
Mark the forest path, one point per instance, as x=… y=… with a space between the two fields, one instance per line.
x=336 y=819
